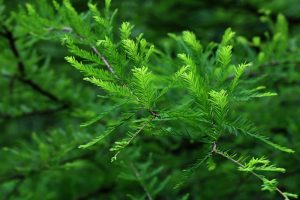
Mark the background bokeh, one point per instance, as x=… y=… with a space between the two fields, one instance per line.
x=40 y=130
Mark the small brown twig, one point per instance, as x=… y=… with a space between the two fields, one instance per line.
x=139 y=178
x=224 y=155
x=103 y=60
x=95 y=50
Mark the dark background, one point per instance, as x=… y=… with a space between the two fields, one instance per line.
x=26 y=113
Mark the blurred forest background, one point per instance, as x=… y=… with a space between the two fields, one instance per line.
x=40 y=114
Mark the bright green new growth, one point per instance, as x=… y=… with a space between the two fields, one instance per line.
x=224 y=55
x=260 y=164
x=219 y=103
x=133 y=78
x=190 y=39
x=134 y=82
x=143 y=87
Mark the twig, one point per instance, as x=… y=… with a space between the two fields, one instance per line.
x=217 y=151
x=103 y=60
x=95 y=50
x=138 y=131
x=138 y=177
x=35 y=112
x=12 y=44
x=133 y=137
x=35 y=87
x=38 y=89
x=21 y=68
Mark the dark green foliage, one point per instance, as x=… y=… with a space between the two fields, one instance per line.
x=170 y=118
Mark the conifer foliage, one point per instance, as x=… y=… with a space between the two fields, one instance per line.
x=137 y=107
